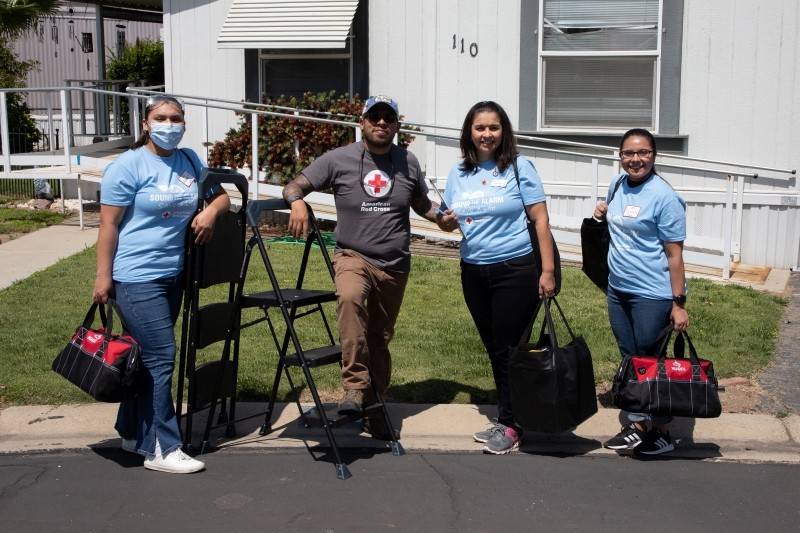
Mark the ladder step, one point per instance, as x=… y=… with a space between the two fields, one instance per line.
x=337 y=420
x=298 y=297
x=325 y=355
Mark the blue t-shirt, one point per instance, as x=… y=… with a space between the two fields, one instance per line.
x=641 y=218
x=490 y=212
x=160 y=196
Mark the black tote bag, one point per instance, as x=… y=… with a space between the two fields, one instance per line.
x=537 y=255
x=595 y=240
x=552 y=386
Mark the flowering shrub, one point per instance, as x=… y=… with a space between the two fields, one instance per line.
x=287 y=145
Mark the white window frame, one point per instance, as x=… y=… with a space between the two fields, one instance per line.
x=639 y=53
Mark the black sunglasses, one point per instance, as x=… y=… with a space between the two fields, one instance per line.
x=376 y=116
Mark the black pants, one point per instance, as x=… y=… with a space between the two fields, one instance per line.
x=501 y=298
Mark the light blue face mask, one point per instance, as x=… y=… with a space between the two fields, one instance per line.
x=167 y=135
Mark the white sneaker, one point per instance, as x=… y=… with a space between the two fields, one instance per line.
x=129 y=445
x=175 y=462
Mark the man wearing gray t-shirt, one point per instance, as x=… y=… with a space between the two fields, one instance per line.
x=374 y=183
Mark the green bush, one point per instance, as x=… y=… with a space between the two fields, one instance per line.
x=277 y=136
x=14 y=73
x=144 y=61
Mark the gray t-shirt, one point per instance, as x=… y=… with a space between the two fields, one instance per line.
x=373 y=193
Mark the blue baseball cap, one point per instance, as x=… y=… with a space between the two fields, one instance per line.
x=372 y=101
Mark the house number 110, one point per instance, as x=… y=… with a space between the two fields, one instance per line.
x=473 y=47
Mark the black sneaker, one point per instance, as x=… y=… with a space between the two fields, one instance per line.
x=656 y=443
x=627 y=439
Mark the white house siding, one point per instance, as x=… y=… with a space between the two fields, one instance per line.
x=740 y=102
x=412 y=58
x=740 y=77
x=196 y=66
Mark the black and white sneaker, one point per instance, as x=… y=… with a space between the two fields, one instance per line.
x=627 y=439
x=656 y=443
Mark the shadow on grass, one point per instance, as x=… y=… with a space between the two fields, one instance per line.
x=435 y=390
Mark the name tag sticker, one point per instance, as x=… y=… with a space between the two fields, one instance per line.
x=631 y=211
x=498 y=183
x=187 y=179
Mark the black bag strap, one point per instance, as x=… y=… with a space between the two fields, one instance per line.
x=548 y=324
x=548 y=317
x=526 y=333
x=524 y=210
x=519 y=186
x=664 y=337
x=563 y=317
x=89 y=319
x=616 y=187
x=106 y=316
x=679 y=347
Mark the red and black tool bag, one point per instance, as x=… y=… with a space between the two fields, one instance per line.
x=102 y=364
x=664 y=386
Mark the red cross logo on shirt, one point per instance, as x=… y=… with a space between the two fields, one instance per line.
x=377 y=184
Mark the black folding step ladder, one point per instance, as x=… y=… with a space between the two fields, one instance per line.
x=216 y=262
x=294 y=303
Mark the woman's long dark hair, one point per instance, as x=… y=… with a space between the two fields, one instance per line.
x=504 y=155
x=152 y=103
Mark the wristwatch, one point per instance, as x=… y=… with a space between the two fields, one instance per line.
x=293 y=198
x=679 y=299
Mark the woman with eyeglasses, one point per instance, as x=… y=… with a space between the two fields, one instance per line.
x=148 y=200
x=647 y=283
x=490 y=194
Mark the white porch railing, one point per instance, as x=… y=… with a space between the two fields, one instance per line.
x=736 y=212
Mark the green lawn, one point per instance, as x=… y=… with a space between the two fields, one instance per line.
x=436 y=352
x=13 y=220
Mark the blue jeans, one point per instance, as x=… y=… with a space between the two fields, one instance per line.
x=636 y=323
x=501 y=297
x=149 y=310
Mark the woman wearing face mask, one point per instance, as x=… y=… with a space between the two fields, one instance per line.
x=498 y=271
x=148 y=198
x=647 y=283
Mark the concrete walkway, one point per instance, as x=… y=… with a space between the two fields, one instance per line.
x=446 y=428
x=21 y=257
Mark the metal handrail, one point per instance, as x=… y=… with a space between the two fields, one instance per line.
x=247 y=107
x=561 y=142
x=733 y=176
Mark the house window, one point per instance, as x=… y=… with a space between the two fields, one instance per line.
x=120 y=42
x=292 y=74
x=87 y=46
x=599 y=64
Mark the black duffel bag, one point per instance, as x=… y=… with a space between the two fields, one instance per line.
x=104 y=365
x=552 y=386
x=662 y=386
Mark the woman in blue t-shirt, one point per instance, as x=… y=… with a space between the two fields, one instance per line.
x=148 y=199
x=498 y=272
x=647 y=283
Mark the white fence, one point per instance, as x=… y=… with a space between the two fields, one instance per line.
x=735 y=212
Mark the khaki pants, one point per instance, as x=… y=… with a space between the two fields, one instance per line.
x=368 y=301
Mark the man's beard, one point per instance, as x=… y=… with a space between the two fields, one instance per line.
x=374 y=141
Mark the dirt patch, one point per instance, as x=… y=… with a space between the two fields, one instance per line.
x=740 y=396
